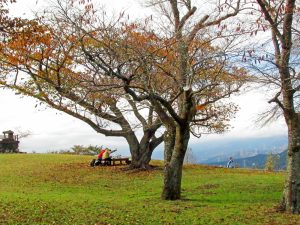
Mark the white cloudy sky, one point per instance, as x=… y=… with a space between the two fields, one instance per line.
x=53 y=130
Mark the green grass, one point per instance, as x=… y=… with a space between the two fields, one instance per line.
x=63 y=189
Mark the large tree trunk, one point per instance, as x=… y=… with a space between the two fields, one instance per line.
x=169 y=144
x=141 y=158
x=173 y=168
x=134 y=147
x=141 y=152
x=291 y=193
x=144 y=159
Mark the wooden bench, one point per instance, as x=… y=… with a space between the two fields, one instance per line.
x=114 y=161
x=120 y=161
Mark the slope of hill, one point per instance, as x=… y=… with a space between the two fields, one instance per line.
x=63 y=189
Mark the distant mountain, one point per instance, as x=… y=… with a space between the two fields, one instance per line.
x=218 y=151
x=257 y=161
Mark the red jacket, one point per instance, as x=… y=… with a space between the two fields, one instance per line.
x=100 y=154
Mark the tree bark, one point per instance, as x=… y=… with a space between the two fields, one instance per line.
x=282 y=42
x=144 y=159
x=169 y=143
x=291 y=194
x=173 y=168
x=141 y=152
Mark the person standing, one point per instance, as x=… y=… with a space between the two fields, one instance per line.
x=230 y=163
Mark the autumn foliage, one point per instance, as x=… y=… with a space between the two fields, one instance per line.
x=86 y=65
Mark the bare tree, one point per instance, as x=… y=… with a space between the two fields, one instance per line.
x=276 y=65
x=22 y=133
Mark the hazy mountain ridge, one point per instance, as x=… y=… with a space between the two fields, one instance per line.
x=258 y=161
x=219 y=151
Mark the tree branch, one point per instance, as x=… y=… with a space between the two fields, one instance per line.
x=268 y=17
x=201 y=24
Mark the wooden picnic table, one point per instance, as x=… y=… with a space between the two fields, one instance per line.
x=114 y=161
x=120 y=161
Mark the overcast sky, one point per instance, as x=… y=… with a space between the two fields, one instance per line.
x=53 y=130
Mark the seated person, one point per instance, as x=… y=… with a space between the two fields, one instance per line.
x=106 y=157
x=99 y=157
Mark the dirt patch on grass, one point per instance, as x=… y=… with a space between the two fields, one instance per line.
x=118 y=169
x=208 y=186
x=207 y=189
x=86 y=166
x=72 y=166
x=138 y=170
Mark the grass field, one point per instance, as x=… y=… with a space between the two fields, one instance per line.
x=63 y=189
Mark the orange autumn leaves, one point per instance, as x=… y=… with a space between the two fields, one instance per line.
x=200 y=107
x=150 y=59
x=22 y=43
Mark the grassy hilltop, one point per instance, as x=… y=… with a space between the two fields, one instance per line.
x=63 y=189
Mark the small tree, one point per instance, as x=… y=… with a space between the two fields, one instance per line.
x=272 y=162
x=82 y=150
x=94 y=149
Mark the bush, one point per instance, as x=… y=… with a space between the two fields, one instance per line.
x=90 y=150
x=80 y=150
x=272 y=162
